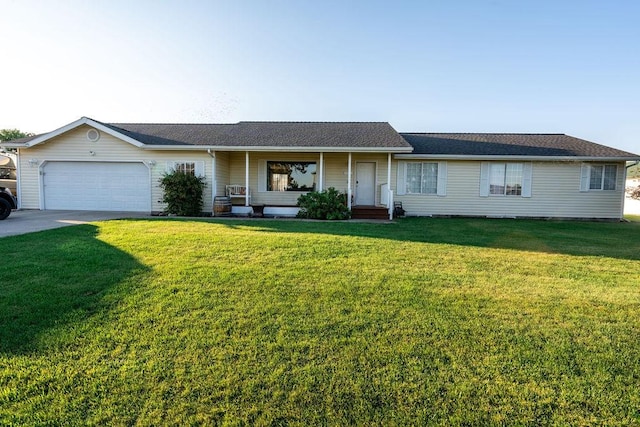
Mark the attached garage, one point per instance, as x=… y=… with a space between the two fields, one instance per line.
x=99 y=186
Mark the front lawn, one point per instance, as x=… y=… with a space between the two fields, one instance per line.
x=419 y=322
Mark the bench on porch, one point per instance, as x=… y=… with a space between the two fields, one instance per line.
x=237 y=191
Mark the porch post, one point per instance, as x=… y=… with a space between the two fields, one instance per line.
x=389 y=196
x=214 y=190
x=246 y=178
x=349 y=182
x=320 y=174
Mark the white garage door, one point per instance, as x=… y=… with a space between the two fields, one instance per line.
x=99 y=186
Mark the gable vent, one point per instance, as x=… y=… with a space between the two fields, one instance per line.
x=93 y=135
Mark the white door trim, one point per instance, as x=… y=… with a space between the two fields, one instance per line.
x=368 y=199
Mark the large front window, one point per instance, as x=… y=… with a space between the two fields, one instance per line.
x=422 y=178
x=291 y=176
x=505 y=179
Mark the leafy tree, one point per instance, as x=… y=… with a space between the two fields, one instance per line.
x=10 y=134
x=183 y=193
x=634 y=173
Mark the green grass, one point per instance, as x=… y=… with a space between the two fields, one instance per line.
x=632 y=218
x=420 y=322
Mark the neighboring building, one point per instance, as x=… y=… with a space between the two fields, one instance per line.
x=89 y=165
x=8 y=172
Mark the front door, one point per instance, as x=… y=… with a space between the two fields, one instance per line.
x=365 y=183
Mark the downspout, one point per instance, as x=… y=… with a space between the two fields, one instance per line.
x=150 y=164
x=18 y=179
x=41 y=185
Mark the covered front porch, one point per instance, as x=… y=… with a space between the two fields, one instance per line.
x=275 y=180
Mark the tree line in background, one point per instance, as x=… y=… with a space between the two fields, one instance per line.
x=634 y=173
x=11 y=134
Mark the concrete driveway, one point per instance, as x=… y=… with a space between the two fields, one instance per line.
x=631 y=206
x=28 y=221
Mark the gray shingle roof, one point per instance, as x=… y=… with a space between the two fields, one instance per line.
x=508 y=144
x=268 y=134
x=363 y=136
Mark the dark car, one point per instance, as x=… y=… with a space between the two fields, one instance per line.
x=7 y=202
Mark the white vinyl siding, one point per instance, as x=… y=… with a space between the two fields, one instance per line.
x=74 y=146
x=222 y=172
x=549 y=189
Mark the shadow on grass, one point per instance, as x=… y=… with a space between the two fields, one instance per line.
x=581 y=238
x=52 y=283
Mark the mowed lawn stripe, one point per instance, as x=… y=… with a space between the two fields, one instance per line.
x=422 y=321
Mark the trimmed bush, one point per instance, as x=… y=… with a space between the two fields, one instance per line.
x=182 y=193
x=327 y=204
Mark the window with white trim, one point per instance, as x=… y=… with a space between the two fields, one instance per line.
x=602 y=177
x=421 y=178
x=188 y=168
x=505 y=179
x=195 y=168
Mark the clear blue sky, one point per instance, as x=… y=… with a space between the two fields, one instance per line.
x=437 y=66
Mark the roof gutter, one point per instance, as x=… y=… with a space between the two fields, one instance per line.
x=508 y=157
x=9 y=144
x=210 y=148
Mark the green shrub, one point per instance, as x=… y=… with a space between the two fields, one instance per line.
x=327 y=204
x=182 y=193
